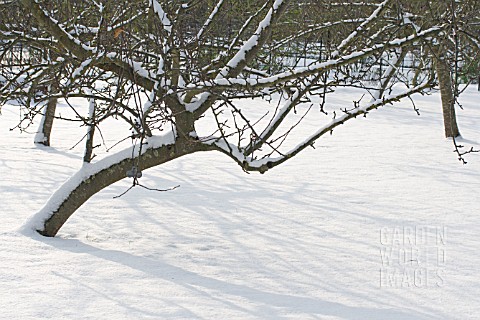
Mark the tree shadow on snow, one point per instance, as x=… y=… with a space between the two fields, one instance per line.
x=270 y=301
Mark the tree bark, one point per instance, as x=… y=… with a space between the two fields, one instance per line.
x=88 y=155
x=447 y=96
x=47 y=122
x=96 y=181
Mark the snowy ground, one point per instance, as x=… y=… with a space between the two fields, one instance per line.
x=308 y=240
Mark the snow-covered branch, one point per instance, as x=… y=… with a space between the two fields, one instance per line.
x=314 y=68
x=262 y=165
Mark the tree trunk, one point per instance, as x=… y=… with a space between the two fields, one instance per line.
x=45 y=129
x=88 y=155
x=94 y=177
x=447 y=96
x=386 y=77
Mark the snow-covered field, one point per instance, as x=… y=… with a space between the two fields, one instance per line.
x=380 y=221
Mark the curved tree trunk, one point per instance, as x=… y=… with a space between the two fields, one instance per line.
x=447 y=95
x=94 y=177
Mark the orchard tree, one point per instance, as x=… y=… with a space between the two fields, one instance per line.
x=164 y=66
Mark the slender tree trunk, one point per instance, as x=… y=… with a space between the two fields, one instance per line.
x=387 y=76
x=88 y=155
x=447 y=96
x=45 y=129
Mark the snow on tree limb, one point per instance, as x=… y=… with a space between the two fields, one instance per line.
x=85 y=175
x=162 y=15
x=210 y=18
x=348 y=40
x=248 y=50
x=262 y=165
x=315 y=68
